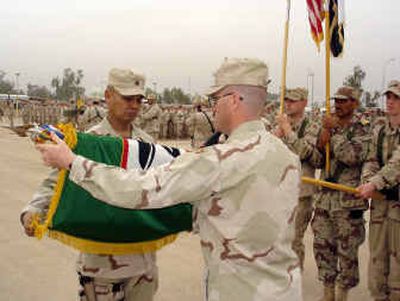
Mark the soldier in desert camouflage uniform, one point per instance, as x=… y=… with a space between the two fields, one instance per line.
x=164 y=116
x=299 y=132
x=110 y=277
x=200 y=124
x=92 y=115
x=9 y=111
x=338 y=222
x=382 y=172
x=2 y=110
x=245 y=237
x=179 y=122
x=151 y=117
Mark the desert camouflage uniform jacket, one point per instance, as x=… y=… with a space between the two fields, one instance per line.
x=200 y=128
x=386 y=175
x=103 y=266
x=302 y=141
x=244 y=194
x=349 y=149
x=151 y=118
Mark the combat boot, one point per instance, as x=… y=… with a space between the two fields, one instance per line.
x=342 y=294
x=329 y=294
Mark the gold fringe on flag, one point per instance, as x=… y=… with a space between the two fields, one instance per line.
x=86 y=245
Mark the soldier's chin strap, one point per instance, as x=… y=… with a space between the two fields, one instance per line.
x=214 y=139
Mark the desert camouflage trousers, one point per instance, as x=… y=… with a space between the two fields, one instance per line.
x=304 y=214
x=337 y=237
x=138 y=288
x=384 y=246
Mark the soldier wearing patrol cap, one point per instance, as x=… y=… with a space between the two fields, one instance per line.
x=151 y=117
x=244 y=192
x=381 y=173
x=300 y=132
x=109 y=277
x=200 y=124
x=338 y=223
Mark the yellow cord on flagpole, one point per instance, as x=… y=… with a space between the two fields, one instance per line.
x=327 y=83
x=284 y=60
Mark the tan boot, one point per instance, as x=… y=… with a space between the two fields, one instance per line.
x=329 y=294
x=342 y=294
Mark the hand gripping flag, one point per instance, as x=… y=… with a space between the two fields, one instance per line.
x=77 y=219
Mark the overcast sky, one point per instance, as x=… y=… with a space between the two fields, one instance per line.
x=181 y=43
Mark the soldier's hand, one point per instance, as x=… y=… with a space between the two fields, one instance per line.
x=283 y=124
x=324 y=138
x=277 y=131
x=366 y=190
x=27 y=219
x=329 y=122
x=56 y=155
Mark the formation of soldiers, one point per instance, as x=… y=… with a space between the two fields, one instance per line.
x=175 y=122
x=34 y=112
x=364 y=150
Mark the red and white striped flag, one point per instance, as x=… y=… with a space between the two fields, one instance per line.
x=316 y=17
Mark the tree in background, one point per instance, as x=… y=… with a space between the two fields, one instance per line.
x=175 y=96
x=356 y=79
x=69 y=87
x=6 y=86
x=38 y=91
x=149 y=91
x=370 y=99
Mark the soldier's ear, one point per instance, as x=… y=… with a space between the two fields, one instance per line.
x=356 y=104
x=107 y=95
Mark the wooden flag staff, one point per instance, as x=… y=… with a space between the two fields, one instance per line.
x=339 y=187
x=284 y=60
x=327 y=82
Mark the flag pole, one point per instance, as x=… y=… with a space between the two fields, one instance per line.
x=334 y=186
x=284 y=60
x=327 y=80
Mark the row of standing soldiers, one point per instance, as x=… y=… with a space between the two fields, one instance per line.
x=162 y=122
x=31 y=112
x=364 y=152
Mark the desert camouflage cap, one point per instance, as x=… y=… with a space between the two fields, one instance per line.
x=197 y=101
x=346 y=93
x=394 y=87
x=296 y=94
x=240 y=71
x=205 y=102
x=126 y=82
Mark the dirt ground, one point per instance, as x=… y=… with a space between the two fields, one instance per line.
x=44 y=270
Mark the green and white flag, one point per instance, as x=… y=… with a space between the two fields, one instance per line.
x=77 y=219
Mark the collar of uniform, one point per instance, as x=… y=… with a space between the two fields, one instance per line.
x=109 y=129
x=243 y=130
x=106 y=125
x=389 y=129
x=297 y=125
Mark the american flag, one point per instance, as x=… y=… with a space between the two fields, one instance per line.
x=316 y=17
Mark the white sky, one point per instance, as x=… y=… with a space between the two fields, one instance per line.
x=174 y=40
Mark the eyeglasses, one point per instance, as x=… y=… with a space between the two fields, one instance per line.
x=215 y=99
